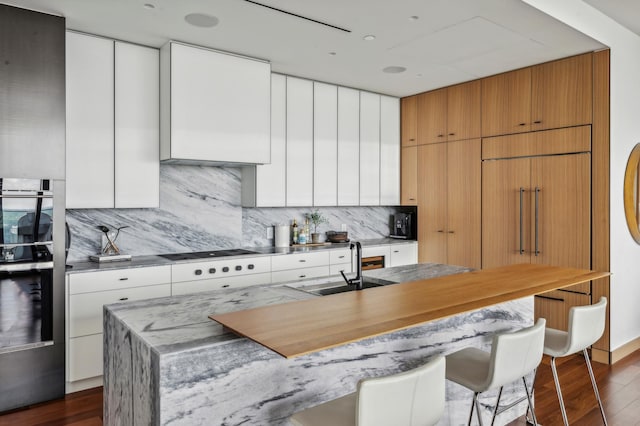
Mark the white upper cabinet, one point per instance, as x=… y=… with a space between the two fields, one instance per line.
x=112 y=124
x=137 y=126
x=265 y=185
x=89 y=127
x=325 y=144
x=348 y=147
x=215 y=106
x=369 y=149
x=299 y=142
x=389 y=151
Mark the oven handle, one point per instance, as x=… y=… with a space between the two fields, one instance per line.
x=38 y=243
x=23 y=267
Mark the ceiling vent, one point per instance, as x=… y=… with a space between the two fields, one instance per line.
x=298 y=16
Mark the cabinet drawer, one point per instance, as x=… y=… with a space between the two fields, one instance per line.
x=344 y=267
x=220 y=268
x=299 y=274
x=88 y=282
x=85 y=310
x=339 y=256
x=377 y=251
x=189 y=287
x=84 y=355
x=299 y=260
x=554 y=307
x=403 y=254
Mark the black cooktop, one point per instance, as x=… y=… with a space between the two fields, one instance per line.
x=206 y=254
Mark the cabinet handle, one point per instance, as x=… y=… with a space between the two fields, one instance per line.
x=396 y=251
x=225 y=286
x=412 y=199
x=412 y=139
x=452 y=232
x=537 y=122
x=440 y=231
x=452 y=134
x=557 y=299
x=302 y=276
x=124 y=279
x=341 y=257
x=521 y=227
x=123 y=298
x=522 y=124
x=537 y=251
x=198 y=272
x=302 y=260
x=212 y=270
x=440 y=136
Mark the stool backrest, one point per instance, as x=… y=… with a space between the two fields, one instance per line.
x=514 y=355
x=412 y=398
x=586 y=325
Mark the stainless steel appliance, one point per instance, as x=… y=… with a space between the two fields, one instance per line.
x=213 y=254
x=32 y=146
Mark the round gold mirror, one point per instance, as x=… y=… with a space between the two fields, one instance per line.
x=632 y=193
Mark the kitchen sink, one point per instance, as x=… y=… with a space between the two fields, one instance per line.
x=327 y=288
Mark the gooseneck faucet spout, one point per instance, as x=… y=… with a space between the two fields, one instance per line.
x=358 y=280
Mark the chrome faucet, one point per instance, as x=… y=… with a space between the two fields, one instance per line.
x=357 y=280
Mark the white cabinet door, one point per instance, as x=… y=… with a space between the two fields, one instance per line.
x=190 y=287
x=389 y=151
x=299 y=142
x=348 y=147
x=404 y=254
x=89 y=127
x=219 y=106
x=271 y=178
x=325 y=144
x=300 y=274
x=84 y=355
x=369 y=149
x=137 y=126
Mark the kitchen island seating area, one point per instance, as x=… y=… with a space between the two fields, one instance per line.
x=414 y=397
x=513 y=356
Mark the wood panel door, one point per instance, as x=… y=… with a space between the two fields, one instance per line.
x=409 y=177
x=506 y=103
x=409 y=121
x=463 y=203
x=432 y=203
x=561 y=216
x=463 y=111
x=505 y=212
x=562 y=93
x=432 y=117
x=554 y=306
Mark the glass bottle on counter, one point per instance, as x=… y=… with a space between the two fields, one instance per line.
x=295 y=232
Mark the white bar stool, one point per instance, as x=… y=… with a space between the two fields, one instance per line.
x=586 y=325
x=411 y=398
x=513 y=356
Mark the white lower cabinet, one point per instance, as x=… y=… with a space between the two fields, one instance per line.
x=299 y=274
x=190 y=287
x=403 y=254
x=87 y=293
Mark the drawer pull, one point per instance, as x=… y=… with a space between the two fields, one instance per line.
x=441 y=136
x=250 y=266
x=238 y=268
x=124 y=298
x=225 y=269
x=341 y=257
x=412 y=139
x=302 y=260
x=557 y=299
x=124 y=279
x=452 y=232
x=396 y=251
x=302 y=276
x=522 y=124
x=198 y=272
x=451 y=134
x=212 y=270
x=225 y=286
x=440 y=231
x=537 y=122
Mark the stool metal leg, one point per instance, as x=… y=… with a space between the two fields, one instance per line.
x=557 y=383
x=495 y=410
x=533 y=412
x=595 y=386
x=475 y=402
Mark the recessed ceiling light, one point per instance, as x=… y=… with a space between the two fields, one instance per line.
x=201 y=20
x=394 y=69
x=414 y=18
x=369 y=37
x=149 y=6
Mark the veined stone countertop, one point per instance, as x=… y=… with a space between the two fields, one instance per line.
x=144 y=261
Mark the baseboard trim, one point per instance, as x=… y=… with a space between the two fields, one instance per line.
x=81 y=385
x=601 y=356
x=624 y=350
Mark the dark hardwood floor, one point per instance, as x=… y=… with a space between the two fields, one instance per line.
x=619 y=387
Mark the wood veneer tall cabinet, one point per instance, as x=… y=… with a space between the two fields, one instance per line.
x=547 y=96
x=449 y=185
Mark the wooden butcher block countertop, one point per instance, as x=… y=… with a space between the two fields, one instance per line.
x=301 y=327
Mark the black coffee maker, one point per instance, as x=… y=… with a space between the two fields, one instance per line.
x=403 y=226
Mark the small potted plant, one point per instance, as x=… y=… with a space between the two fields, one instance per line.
x=316 y=218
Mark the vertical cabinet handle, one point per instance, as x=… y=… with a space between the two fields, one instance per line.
x=521 y=224
x=537 y=250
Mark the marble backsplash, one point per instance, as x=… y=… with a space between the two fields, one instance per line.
x=200 y=209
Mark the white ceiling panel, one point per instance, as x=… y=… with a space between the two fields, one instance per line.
x=625 y=12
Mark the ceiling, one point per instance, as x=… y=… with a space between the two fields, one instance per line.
x=625 y=12
x=446 y=41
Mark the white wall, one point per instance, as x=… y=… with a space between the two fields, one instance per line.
x=625 y=133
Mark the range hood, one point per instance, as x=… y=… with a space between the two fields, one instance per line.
x=215 y=107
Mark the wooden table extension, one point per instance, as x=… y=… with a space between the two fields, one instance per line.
x=301 y=327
